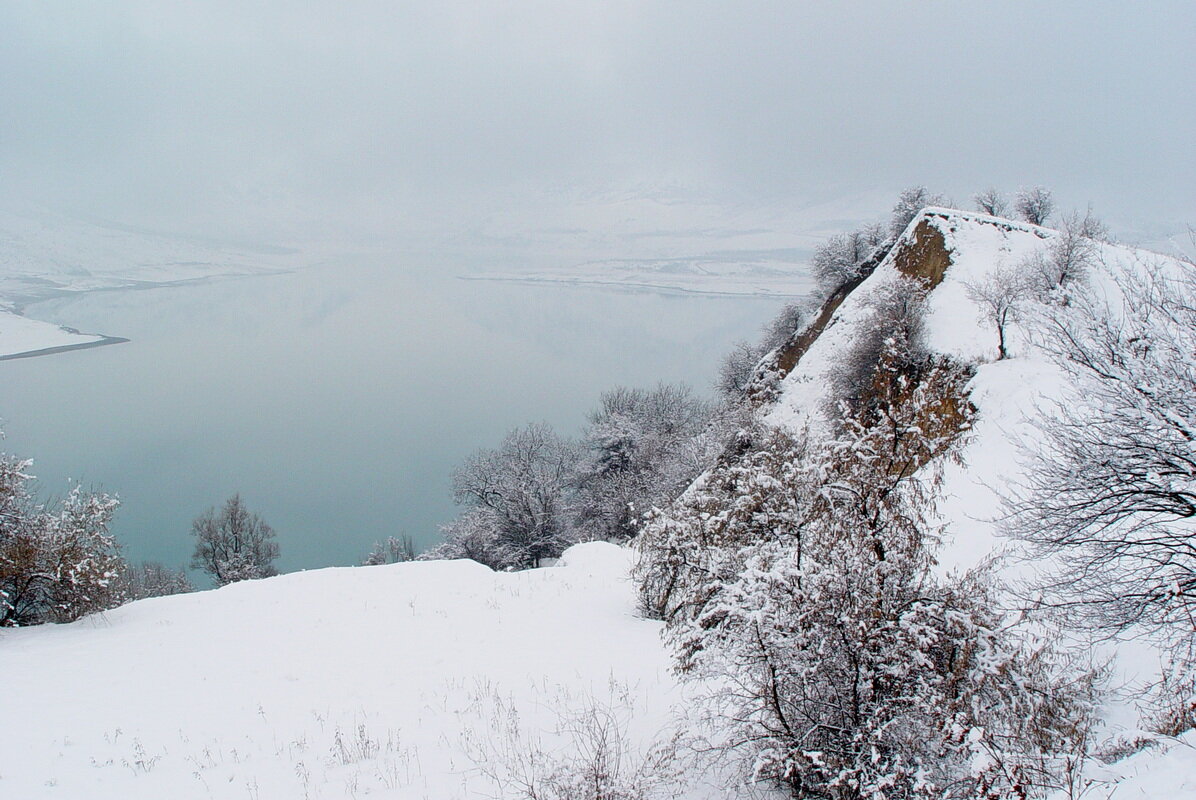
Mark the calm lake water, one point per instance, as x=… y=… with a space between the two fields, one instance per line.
x=336 y=399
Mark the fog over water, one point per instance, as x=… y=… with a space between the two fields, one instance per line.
x=337 y=399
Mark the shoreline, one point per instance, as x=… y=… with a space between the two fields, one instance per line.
x=21 y=302
x=63 y=348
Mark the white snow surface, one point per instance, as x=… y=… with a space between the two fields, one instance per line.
x=243 y=692
x=21 y=335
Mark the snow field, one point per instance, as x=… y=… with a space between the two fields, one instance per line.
x=395 y=681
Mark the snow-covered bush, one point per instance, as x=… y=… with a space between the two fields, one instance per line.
x=798 y=588
x=894 y=331
x=57 y=563
x=151 y=579
x=475 y=536
x=234 y=544
x=841 y=258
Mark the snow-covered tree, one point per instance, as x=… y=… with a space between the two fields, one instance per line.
x=521 y=493
x=58 y=562
x=1034 y=205
x=842 y=258
x=737 y=368
x=1001 y=296
x=644 y=446
x=1110 y=488
x=234 y=544
x=908 y=204
x=474 y=535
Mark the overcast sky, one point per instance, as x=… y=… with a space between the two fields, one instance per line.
x=216 y=115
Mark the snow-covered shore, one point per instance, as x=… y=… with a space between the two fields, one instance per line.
x=45 y=255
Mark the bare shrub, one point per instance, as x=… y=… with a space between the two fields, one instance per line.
x=596 y=759
x=394 y=550
x=992 y=202
x=1034 y=205
x=234 y=544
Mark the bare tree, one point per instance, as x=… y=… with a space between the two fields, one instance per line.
x=234 y=544
x=992 y=202
x=736 y=369
x=1110 y=492
x=1000 y=296
x=523 y=491
x=1034 y=205
x=1065 y=260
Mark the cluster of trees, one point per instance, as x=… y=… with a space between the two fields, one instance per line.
x=538 y=492
x=796 y=582
x=59 y=560
x=1033 y=205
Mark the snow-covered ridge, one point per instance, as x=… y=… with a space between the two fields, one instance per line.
x=1009 y=394
x=44 y=255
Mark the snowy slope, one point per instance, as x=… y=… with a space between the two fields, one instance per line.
x=1008 y=394
x=371 y=681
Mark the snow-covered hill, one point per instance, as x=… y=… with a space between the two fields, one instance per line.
x=953 y=251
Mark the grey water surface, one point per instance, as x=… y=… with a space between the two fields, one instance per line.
x=336 y=399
